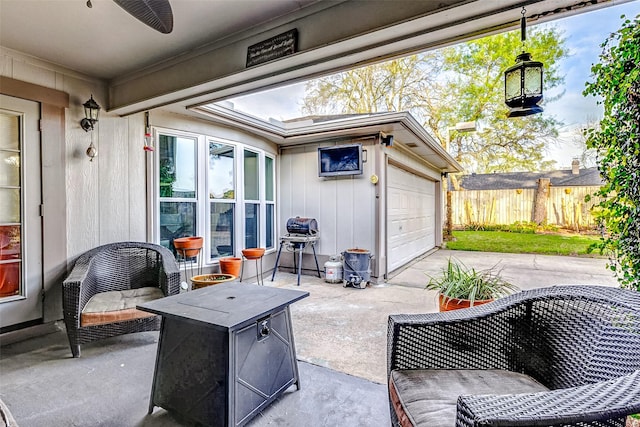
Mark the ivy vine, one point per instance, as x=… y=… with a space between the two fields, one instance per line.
x=617 y=142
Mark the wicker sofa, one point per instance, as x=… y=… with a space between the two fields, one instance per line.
x=560 y=356
x=100 y=295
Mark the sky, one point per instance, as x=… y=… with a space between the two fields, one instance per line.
x=584 y=34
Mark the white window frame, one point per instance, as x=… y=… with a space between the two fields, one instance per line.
x=202 y=200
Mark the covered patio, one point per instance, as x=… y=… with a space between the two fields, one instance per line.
x=55 y=55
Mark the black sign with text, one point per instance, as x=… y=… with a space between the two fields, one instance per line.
x=276 y=47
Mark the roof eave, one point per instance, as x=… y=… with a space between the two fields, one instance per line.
x=296 y=133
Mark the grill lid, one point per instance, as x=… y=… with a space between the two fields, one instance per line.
x=299 y=225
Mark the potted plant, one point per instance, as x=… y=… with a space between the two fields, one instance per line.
x=461 y=287
x=230 y=265
x=204 y=280
x=189 y=246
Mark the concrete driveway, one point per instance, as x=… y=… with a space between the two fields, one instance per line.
x=527 y=271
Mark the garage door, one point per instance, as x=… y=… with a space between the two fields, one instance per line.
x=411 y=216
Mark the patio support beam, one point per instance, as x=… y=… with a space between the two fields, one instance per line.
x=333 y=37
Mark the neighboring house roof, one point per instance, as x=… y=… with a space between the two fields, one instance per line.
x=514 y=180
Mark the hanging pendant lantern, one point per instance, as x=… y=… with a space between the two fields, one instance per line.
x=523 y=81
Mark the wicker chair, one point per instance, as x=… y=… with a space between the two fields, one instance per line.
x=561 y=356
x=106 y=283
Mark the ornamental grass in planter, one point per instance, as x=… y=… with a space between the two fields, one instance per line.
x=461 y=287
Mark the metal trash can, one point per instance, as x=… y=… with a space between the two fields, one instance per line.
x=356 y=264
x=333 y=269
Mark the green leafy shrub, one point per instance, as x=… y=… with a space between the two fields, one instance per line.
x=617 y=142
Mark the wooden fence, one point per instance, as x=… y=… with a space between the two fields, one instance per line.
x=565 y=207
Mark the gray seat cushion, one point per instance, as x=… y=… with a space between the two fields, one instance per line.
x=118 y=306
x=429 y=397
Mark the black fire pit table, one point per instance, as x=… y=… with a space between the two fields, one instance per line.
x=225 y=352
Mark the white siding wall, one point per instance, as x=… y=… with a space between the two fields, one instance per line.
x=344 y=207
x=105 y=200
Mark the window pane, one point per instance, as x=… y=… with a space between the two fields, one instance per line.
x=221 y=171
x=270 y=224
x=177 y=219
x=268 y=178
x=251 y=184
x=177 y=167
x=10 y=242
x=10 y=193
x=9 y=168
x=222 y=242
x=9 y=205
x=10 y=131
x=10 y=263
x=251 y=228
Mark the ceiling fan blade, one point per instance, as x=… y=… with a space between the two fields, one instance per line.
x=155 y=13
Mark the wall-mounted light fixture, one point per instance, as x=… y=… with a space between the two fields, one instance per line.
x=523 y=81
x=91 y=113
x=386 y=140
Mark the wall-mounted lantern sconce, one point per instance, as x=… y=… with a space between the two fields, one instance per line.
x=91 y=112
x=523 y=81
x=386 y=140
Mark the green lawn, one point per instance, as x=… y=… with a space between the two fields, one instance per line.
x=500 y=241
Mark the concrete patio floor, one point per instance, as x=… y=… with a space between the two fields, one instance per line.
x=340 y=336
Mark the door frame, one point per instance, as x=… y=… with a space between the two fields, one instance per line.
x=54 y=195
x=25 y=308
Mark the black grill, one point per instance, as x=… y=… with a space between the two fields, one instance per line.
x=302 y=226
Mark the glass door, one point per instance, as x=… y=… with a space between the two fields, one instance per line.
x=20 y=221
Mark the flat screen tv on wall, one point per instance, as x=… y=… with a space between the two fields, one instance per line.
x=340 y=160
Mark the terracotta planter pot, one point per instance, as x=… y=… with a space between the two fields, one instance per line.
x=204 y=280
x=448 y=304
x=231 y=265
x=253 y=253
x=188 y=246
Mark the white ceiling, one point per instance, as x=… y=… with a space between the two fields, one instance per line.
x=106 y=42
x=145 y=69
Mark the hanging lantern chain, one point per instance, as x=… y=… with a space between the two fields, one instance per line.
x=523 y=27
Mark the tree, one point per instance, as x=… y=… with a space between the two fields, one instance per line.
x=588 y=156
x=460 y=83
x=396 y=85
x=617 y=141
x=475 y=91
